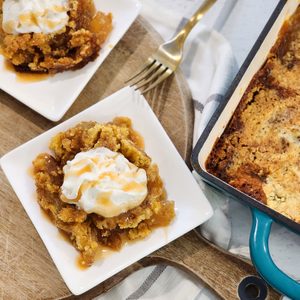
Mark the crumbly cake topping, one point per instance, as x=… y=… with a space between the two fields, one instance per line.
x=259 y=151
x=72 y=47
x=89 y=232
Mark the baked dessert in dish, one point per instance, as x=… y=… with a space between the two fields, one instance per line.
x=100 y=188
x=258 y=153
x=51 y=36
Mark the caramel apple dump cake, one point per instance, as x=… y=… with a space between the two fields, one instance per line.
x=259 y=152
x=51 y=36
x=100 y=188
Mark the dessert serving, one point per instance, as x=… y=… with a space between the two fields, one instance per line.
x=51 y=36
x=258 y=153
x=100 y=188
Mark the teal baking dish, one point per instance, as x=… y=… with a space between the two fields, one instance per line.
x=263 y=216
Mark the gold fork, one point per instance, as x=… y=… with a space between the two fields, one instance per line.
x=168 y=56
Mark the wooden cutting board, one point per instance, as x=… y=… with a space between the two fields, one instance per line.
x=26 y=269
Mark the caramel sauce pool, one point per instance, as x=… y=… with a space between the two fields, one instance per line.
x=46 y=216
x=101 y=254
x=25 y=77
x=79 y=263
x=30 y=172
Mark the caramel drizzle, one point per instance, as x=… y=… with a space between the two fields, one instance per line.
x=104 y=199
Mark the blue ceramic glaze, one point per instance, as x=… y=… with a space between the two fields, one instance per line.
x=261 y=258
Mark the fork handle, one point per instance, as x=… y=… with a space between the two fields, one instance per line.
x=198 y=15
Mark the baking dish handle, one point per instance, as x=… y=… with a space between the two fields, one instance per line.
x=261 y=258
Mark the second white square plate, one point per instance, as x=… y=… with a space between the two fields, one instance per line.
x=192 y=207
x=53 y=96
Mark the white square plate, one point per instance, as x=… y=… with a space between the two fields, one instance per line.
x=192 y=208
x=53 y=96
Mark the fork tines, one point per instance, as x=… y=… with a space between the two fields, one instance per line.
x=151 y=74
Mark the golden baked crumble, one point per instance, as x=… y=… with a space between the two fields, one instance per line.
x=258 y=152
x=71 y=48
x=90 y=232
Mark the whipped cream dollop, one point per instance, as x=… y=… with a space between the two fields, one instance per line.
x=103 y=182
x=38 y=16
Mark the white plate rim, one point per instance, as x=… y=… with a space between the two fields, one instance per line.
x=5 y=164
x=89 y=70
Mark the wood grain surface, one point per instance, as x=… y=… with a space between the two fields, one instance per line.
x=26 y=269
